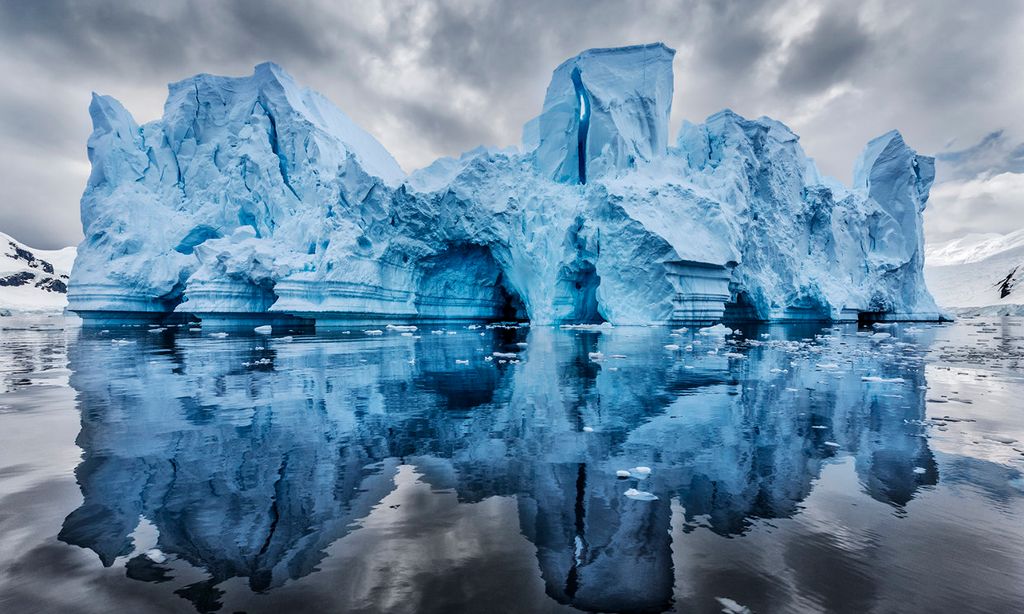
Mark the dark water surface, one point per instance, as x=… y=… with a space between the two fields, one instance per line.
x=176 y=471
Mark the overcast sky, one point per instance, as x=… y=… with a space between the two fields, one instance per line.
x=437 y=78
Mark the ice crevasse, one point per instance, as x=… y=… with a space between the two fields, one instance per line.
x=254 y=199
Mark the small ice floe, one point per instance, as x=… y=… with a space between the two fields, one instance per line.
x=155 y=555
x=920 y=470
x=880 y=336
x=602 y=326
x=437 y=332
x=881 y=380
x=832 y=444
x=1000 y=439
x=472 y=327
x=504 y=354
x=588 y=429
x=883 y=325
x=374 y=332
x=639 y=495
x=718 y=330
x=287 y=339
x=461 y=362
x=671 y=347
x=618 y=356
x=622 y=474
x=488 y=358
x=411 y=361
x=819 y=427
x=735 y=355
x=641 y=471
x=121 y=341
x=219 y=335
x=451 y=332
x=595 y=356
x=157 y=330
x=264 y=330
x=256 y=363
x=406 y=334
x=401 y=328
x=731 y=607
x=522 y=344
x=827 y=365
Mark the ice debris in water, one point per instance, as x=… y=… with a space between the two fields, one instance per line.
x=264 y=330
x=730 y=606
x=155 y=555
x=622 y=473
x=882 y=380
x=718 y=330
x=639 y=495
x=219 y=335
x=588 y=429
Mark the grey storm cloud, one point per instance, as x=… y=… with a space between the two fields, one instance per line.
x=430 y=79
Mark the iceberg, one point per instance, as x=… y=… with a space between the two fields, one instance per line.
x=255 y=201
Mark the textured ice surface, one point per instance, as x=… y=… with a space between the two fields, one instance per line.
x=255 y=197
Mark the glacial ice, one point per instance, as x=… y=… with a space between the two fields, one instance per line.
x=256 y=201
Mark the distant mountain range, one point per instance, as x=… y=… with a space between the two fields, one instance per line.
x=33 y=280
x=978 y=273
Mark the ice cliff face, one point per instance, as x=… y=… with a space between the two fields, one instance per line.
x=255 y=199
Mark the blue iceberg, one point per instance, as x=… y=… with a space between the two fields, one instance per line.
x=255 y=200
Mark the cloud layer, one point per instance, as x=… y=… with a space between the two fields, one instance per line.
x=437 y=78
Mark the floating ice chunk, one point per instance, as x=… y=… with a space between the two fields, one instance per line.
x=588 y=429
x=639 y=495
x=264 y=330
x=595 y=356
x=522 y=344
x=832 y=444
x=401 y=328
x=641 y=470
x=374 y=332
x=731 y=607
x=827 y=365
x=819 y=427
x=880 y=336
x=405 y=334
x=671 y=347
x=882 y=380
x=920 y=470
x=157 y=330
x=718 y=330
x=504 y=354
x=680 y=330
x=219 y=335
x=287 y=339
x=461 y=362
x=622 y=473
x=155 y=555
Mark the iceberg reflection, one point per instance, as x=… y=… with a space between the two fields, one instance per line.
x=249 y=456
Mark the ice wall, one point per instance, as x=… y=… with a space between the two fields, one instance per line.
x=256 y=200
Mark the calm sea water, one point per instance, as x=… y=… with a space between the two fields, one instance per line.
x=795 y=469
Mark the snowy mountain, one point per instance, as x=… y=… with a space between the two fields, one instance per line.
x=978 y=273
x=255 y=199
x=32 y=279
